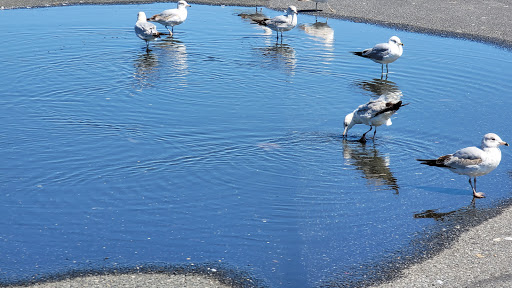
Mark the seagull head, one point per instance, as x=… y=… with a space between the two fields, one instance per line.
x=349 y=123
x=141 y=16
x=492 y=140
x=183 y=3
x=395 y=40
x=291 y=10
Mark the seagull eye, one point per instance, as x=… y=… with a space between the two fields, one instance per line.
x=493 y=139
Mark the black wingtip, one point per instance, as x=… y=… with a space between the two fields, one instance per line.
x=432 y=162
x=261 y=22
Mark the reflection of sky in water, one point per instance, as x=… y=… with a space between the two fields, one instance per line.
x=222 y=146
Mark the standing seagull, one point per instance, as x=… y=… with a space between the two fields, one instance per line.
x=472 y=161
x=373 y=113
x=281 y=23
x=145 y=30
x=384 y=53
x=172 y=17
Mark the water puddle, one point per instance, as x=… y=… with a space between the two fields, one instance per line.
x=223 y=146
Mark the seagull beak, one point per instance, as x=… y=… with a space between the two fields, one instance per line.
x=401 y=44
x=504 y=143
x=188 y=5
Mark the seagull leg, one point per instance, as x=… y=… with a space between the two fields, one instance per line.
x=387 y=69
x=374 y=132
x=170 y=32
x=363 y=138
x=476 y=194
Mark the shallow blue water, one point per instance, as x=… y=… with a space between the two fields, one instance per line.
x=221 y=146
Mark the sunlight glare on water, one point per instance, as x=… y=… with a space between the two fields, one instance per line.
x=222 y=146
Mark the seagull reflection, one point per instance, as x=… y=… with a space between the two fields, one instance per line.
x=375 y=168
x=174 y=52
x=145 y=72
x=320 y=31
x=281 y=55
x=380 y=87
x=169 y=59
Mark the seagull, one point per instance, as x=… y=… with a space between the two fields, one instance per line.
x=172 y=17
x=145 y=30
x=472 y=161
x=384 y=53
x=373 y=114
x=319 y=1
x=281 y=23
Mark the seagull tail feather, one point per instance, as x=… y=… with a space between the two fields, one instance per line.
x=433 y=162
x=358 y=53
x=262 y=22
x=391 y=107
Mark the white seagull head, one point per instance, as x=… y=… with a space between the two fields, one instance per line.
x=291 y=10
x=492 y=140
x=395 y=40
x=349 y=123
x=183 y=3
x=141 y=17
